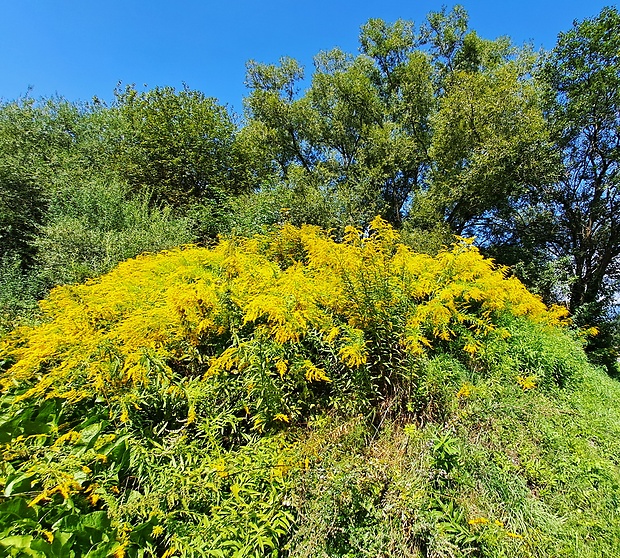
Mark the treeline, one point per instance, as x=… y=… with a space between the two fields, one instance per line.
x=437 y=130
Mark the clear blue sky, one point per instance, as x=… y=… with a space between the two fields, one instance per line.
x=81 y=48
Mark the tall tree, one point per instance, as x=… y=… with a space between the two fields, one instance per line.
x=490 y=146
x=22 y=207
x=360 y=131
x=437 y=124
x=176 y=144
x=36 y=140
x=583 y=73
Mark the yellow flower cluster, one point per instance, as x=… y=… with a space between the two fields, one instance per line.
x=153 y=314
x=526 y=382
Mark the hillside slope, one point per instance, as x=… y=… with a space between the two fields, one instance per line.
x=289 y=395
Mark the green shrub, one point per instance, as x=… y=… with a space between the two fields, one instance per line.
x=19 y=291
x=93 y=226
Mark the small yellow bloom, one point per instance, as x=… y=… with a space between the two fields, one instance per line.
x=410 y=430
x=470 y=348
x=120 y=551
x=93 y=498
x=526 y=382
x=48 y=536
x=352 y=355
x=191 y=414
x=235 y=489
x=63 y=490
x=38 y=498
x=70 y=437
x=314 y=373
x=465 y=391
x=333 y=333
x=478 y=521
x=282 y=367
x=220 y=469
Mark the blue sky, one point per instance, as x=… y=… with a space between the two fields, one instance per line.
x=81 y=48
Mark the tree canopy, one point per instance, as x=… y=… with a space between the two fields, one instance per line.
x=583 y=72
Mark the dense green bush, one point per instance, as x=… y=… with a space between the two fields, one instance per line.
x=93 y=226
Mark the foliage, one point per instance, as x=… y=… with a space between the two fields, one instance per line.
x=168 y=397
x=563 y=233
x=490 y=144
x=435 y=117
x=19 y=292
x=361 y=129
x=177 y=145
x=94 y=225
x=65 y=166
x=33 y=145
x=349 y=393
x=304 y=200
x=21 y=211
x=514 y=471
x=287 y=291
x=583 y=73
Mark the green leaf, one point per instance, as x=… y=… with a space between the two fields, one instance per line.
x=90 y=433
x=102 y=550
x=21 y=483
x=22 y=543
x=98 y=520
x=16 y=507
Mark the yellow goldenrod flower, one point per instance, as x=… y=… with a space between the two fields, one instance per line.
x=151 y=314
x=191 y=414
x=120 y=550
x=470 y=348
x=314 y=373
x=93 y=498
x=39 y=498
x=282 y=367
x=465 y=391
x=526 y=382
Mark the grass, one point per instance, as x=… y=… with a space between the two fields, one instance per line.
x=511 y=473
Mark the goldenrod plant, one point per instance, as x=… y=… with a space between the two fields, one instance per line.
x=283 y=395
